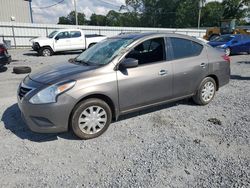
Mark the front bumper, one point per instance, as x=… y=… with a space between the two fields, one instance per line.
x=47 y=118
x=35 y=46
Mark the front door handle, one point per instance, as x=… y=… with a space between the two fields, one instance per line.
x=203 y=65
x=163 y=72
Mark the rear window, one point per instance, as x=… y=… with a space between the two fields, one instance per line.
x=183 y=48
x=75 y=34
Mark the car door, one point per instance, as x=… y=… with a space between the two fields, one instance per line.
x=245 y=43
x=150 y=82
x=190 y=65
x=62 y=41
x=77 y=40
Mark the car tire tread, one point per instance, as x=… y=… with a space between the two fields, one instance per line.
x=197 y=98
x=78 y=110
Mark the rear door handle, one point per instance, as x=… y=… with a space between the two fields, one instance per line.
x=163 y=72
x=203 y=65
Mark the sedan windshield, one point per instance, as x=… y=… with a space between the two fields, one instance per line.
x=51 y=35
x=103 y=52
x=223 y=38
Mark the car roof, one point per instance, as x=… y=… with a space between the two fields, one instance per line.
x=137 y=36
x=62 y=30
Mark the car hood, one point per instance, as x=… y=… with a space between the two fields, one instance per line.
x=214 y=44
x=41 y=39
x=59 y=72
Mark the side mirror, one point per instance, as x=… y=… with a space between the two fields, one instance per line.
x=129 y=63
x=71 y=60
x=57 y=38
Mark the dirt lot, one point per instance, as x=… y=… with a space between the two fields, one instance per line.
x=180 y=145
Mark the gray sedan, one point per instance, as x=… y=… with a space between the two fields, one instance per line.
x=117 y=76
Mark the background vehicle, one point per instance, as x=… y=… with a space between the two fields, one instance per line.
x=201 y=39
x=120 y=75
x=232 y=44
x=226 y=27
x=64 y=40
x=5 y=58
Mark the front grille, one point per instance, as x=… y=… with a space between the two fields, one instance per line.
x=23 y=91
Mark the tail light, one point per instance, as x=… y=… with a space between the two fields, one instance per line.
x=2 y=50
x=226 y=58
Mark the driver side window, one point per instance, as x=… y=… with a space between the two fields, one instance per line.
x=63 y=35
x=150 y=51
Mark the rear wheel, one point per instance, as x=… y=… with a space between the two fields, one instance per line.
x=205 y=92
x=91 y=118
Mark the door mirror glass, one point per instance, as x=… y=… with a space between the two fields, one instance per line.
x=129 y=63
x=72 y=60
x=57 y=38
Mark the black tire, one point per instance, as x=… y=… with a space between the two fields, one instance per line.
x=80 y=108
x=22 y=70
x=198 y=98
x=45 y=51
x=92 y=44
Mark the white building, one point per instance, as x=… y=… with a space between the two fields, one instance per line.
x=15 y=10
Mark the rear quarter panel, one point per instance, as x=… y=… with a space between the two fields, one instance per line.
x=218 y=66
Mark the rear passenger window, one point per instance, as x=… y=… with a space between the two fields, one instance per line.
x=183 y=48
x=75 y=34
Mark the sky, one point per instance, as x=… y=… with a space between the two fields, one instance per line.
x=51 y=15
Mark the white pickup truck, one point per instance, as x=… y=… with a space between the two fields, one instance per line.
x=64 y=40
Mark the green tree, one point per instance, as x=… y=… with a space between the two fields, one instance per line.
x=70 y=19
x=113 y=18
x=99 y=20
x=187 y=13
x=235 y=9
x=212 y=14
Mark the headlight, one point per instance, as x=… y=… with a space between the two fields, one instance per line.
x=221 y=46
x=49 y=94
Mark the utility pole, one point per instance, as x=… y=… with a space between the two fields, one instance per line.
x=31 y=12
x=76 y=14
x=201 y=4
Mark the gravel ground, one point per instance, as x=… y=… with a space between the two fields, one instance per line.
x=179 y=145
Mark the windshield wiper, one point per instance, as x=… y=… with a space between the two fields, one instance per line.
x=82 y=62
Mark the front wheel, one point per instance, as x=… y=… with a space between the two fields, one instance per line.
x=205 y=92
x=91 y=118
x=46 y=51
x=228 y=51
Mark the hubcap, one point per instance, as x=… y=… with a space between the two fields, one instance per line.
x=227 y=51
x=208 y=91
x=46 y=52
x=92 y=120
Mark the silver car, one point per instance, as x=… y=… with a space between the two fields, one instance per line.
x=117 y=76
